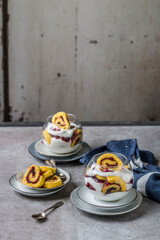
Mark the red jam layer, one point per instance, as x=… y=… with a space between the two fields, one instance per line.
x=90 y=186
x=55 y=129
x=131 y=182
x=106 y=170
x=62 y=138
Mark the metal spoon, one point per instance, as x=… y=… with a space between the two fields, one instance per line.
x=52 y=163
x=42 y=215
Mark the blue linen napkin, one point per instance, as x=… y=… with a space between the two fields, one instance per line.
x=146 y=175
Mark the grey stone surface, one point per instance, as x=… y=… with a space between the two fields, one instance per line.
x=67 y=222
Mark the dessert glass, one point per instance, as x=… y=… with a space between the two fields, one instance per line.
x=108 y=182
x=59 y=140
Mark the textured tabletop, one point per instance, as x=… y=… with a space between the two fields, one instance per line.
x=67 y=222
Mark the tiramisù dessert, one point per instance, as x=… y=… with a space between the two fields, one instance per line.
x=62 y=133
x=109 y=176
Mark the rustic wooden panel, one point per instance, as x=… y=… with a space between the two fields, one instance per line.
x=1 y=67
x=97 y=59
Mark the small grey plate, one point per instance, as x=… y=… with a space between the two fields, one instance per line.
x=86 y=196
x=86 y=207
x=20 y=175
x=24 y=190
x=85 y=148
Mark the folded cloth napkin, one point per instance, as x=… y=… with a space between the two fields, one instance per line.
x=146 y=175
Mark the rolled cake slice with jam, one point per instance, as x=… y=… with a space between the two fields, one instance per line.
x=109 y=160
x=61 y=120
x=47 y=168
x=33 y=177
x=53 y=181
x=113 y=184
x=76 y=137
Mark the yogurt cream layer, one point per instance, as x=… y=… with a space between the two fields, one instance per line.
x=61 y=138
x=124 y=173
x=53 y=130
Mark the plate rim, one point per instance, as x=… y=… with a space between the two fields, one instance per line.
x=37 y=193
x=103 y=211
x=43 y=157
x=57 y=154
x=106 y=206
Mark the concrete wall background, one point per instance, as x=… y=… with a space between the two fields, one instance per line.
x=99 y=59
x=1 y=67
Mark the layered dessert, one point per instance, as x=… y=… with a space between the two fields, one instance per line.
x=109 y=176
x=62 y=133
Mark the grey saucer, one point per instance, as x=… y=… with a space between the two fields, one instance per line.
x=89 y=208
x=29 y=192
x=85 y=148
x=32 y=192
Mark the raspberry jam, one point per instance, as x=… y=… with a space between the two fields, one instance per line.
x=106 y=170
x=131 y=182
x=65 y=139
x=55 y=129
x=90 y=186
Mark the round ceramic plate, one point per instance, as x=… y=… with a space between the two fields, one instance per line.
x=87 y=197
x=89 y=208
x=41 y=148
x=20 y=188
x=20 y=175
x=85 y=148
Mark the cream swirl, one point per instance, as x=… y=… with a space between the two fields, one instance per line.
x=124 y=173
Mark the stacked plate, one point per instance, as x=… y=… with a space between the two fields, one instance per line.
x=39 y=150
x=85 y=201
x=15 y=183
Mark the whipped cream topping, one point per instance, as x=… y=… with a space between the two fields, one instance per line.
x=124 y=173
x=53 y=130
